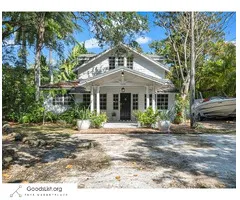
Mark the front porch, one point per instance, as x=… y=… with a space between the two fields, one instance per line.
x=116 y=125
x=121 y=92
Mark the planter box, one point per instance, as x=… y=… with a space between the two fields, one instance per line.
x=83 y=124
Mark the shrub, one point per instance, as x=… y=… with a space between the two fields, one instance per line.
x=147 y=118
x=98 y=120
x=35 y=113
x=180 y=110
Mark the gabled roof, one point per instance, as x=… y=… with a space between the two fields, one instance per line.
x=126 y=47
x=125 y=69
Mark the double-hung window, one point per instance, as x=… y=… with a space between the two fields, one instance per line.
x=115 y=101
x=61 y=99
x=103 y=101
x=111 y=61
x=135 y=102
x=162 y=101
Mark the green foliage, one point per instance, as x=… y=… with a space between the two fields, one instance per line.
x=97 y=120
x=147 y=118
x=114 y=27
x=67 y=65
x=35 y=113
x=209 y=27
x=217 y=75
x=18 y=91
x=165 y=115
x=181 y=105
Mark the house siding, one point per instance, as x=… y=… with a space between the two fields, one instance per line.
x=139 y=64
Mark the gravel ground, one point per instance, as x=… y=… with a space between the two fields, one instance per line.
x=163 y=161
x=130 y=161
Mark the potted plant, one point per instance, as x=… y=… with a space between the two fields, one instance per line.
x=164 y=121
x=83 y=118
x=138 y=115
x=98 y=120
x=114 y=116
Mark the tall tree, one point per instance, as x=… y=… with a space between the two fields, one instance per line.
x=217 y=74
x=67 y=65
x=176 y=47
x=110 y=28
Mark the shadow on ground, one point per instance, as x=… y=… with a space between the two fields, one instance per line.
x=212 y=156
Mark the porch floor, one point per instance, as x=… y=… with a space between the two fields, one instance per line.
x=120 y=125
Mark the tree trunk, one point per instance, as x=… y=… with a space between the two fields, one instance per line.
x=50 y=66
x=185 y=88
x=192 y=72
x=24 y=48
x=39 y=45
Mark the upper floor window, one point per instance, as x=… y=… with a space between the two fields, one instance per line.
x=111 y=62
x=130 y=62
x=61 y=99
x=120 y=61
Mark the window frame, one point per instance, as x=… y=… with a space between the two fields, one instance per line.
x=135 y=101
x=130 y=62
x=112 y=62
x=103 y=101
x=86 y=99
x=162 y=101
x=120 y=61
x=115 y=101
x=62 y=99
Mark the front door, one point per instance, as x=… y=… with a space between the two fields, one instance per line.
x=125 y=106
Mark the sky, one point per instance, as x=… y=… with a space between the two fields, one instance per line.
x=155 y=33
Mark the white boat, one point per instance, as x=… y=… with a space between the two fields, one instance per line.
x=214 y=107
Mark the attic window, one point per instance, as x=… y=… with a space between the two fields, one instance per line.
x=130 y=62
x=111 y=62
x=120 y=61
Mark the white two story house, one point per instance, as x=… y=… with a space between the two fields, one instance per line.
x=117 y=81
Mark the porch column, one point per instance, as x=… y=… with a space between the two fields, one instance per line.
x=92 y=100
x=98 y=100
x=147 y=97
x=153 y=99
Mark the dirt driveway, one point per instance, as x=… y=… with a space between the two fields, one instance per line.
x=129 y=161
x=162 y=161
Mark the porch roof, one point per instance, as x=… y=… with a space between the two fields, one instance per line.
x=124 y=76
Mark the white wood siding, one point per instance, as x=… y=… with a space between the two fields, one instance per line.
x=139 y=64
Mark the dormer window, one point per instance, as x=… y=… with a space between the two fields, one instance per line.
x=120 y=61
x=111 y=62
x=130 y=62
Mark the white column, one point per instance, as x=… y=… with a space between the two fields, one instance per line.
x=92 y=99
x=147 y=97
x=98 y=100
x=125 y=61
x=153 y=99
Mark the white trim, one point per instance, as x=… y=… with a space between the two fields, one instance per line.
x=92 y=99
x=98 y=100
x=83 y=66
x=113 y=71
